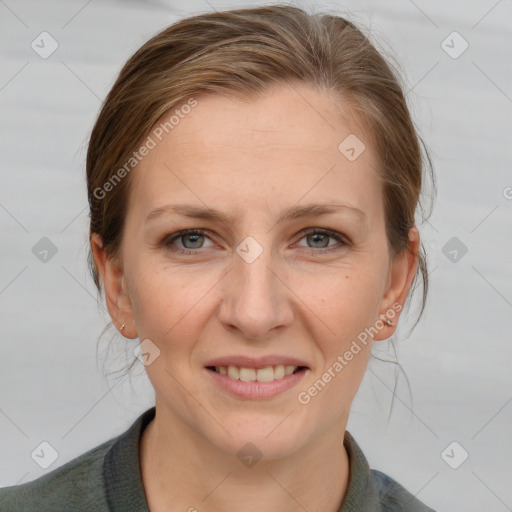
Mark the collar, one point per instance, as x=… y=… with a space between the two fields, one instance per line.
x=362 y=493
x=122 y=477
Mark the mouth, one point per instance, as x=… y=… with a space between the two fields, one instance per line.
x=264 y=374
x=247 y=378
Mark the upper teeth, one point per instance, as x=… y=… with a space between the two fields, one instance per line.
x=267 y=374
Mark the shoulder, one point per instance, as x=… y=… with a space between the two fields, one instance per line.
x=394 y=497
x=76 y=485
x=104 y=478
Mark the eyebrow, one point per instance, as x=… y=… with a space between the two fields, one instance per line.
x=293 y=213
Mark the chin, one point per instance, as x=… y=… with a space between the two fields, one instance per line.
x=263 y=436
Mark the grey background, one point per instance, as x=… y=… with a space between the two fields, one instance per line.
x=457 y=360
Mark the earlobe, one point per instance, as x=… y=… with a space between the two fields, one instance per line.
x=116 y=296
x=403 y=270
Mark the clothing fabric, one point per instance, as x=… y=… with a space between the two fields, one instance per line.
x=107 y=478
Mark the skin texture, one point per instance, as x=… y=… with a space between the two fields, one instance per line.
x=252 y=160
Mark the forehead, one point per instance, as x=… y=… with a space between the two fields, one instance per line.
x=287 y=143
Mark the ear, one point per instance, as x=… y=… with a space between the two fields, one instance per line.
x=401 y=275
x=116 y=295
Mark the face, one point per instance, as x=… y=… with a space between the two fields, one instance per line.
x=270 y=281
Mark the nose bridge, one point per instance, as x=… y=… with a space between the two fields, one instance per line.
x=255 y=300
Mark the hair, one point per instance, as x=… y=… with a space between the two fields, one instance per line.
x=243 y=53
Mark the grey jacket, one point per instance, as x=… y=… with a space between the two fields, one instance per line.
x=107 y=479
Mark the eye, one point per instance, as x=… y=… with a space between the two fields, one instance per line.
x=319 y=238
x=191 y=239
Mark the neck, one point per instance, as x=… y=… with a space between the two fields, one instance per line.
x=181 y=471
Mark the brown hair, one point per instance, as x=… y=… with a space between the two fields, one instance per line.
x=244 y=52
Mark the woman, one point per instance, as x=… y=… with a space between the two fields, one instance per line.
x=253 y=178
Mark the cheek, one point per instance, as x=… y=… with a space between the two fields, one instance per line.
x=344 y=312
x=170 y=312
x=346 y=300
x=167 y=300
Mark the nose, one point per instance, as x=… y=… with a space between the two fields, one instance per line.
x=256 y=300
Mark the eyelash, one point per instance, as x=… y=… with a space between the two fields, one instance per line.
x=169 y=239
